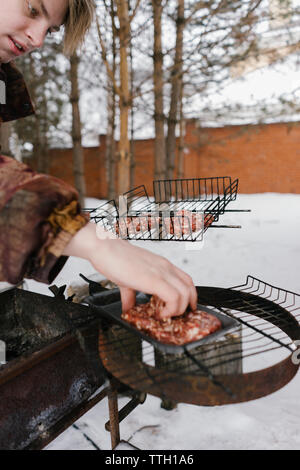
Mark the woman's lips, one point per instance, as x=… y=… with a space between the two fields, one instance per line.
x=16 y=51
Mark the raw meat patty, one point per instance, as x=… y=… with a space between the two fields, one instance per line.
x=190 y=326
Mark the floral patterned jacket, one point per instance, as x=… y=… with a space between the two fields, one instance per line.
x=39 y=214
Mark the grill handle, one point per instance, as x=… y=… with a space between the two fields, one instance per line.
x=101 y=295
x=94 y=287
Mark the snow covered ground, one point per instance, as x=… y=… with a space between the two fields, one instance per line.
x=267 y=247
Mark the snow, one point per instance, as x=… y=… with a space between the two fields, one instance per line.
x=267 y=247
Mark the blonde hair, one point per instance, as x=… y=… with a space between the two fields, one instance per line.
x=77 y=22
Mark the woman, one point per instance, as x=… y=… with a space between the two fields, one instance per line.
x=40 y=219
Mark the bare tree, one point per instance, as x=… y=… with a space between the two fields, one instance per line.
x=176 y=78
x=124 y=98
x=40 y=140
x=45 y=76
x=78 y=157
x=110 y=155
x=181 y=146
x=158 y=80
x=122 y=87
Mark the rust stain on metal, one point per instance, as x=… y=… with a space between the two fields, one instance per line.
x=33 y=401
x=193 y=389
x=53 y=368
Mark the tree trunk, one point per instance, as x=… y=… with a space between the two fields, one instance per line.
x=39 y=139
x=132 y=144
x=124 y=146
x=111 y=113
x=78 y=158
x=44 y=163
x=110 y=143
x=175 y=91
x=158 y=80
x=180 y=166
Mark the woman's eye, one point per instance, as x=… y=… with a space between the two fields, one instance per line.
x=33 y=11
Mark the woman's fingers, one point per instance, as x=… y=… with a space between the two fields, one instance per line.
x=176 y=294
x=179 y=293
x=193 y=296
x=169 y=283
x=128 y=298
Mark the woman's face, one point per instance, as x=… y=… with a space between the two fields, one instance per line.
x=24 y=25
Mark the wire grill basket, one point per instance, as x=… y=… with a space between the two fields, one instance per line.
x=181 y=210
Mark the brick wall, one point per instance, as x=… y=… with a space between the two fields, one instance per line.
x=265 y=158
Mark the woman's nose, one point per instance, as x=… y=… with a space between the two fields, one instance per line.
x=36 y=35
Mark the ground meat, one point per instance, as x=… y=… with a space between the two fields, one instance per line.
x=179 y=330
x=182 y=223
x=185 y=222
x=132 y=225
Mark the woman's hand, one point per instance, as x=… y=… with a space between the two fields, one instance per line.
x=133 y=268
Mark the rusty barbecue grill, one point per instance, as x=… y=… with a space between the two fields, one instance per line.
x=253 y=358
x=63 y=357
x=181 y=210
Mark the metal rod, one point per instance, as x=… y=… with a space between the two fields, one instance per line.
x=127 y=409
x=113 y=414
x=224 y=226
x=237 y=210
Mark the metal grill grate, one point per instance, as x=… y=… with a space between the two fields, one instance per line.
x=182 y=209
x=252 y=360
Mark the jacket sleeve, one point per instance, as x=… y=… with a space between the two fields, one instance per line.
x=39 y=214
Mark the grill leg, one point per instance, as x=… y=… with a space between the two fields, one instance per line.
x=113 y=414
